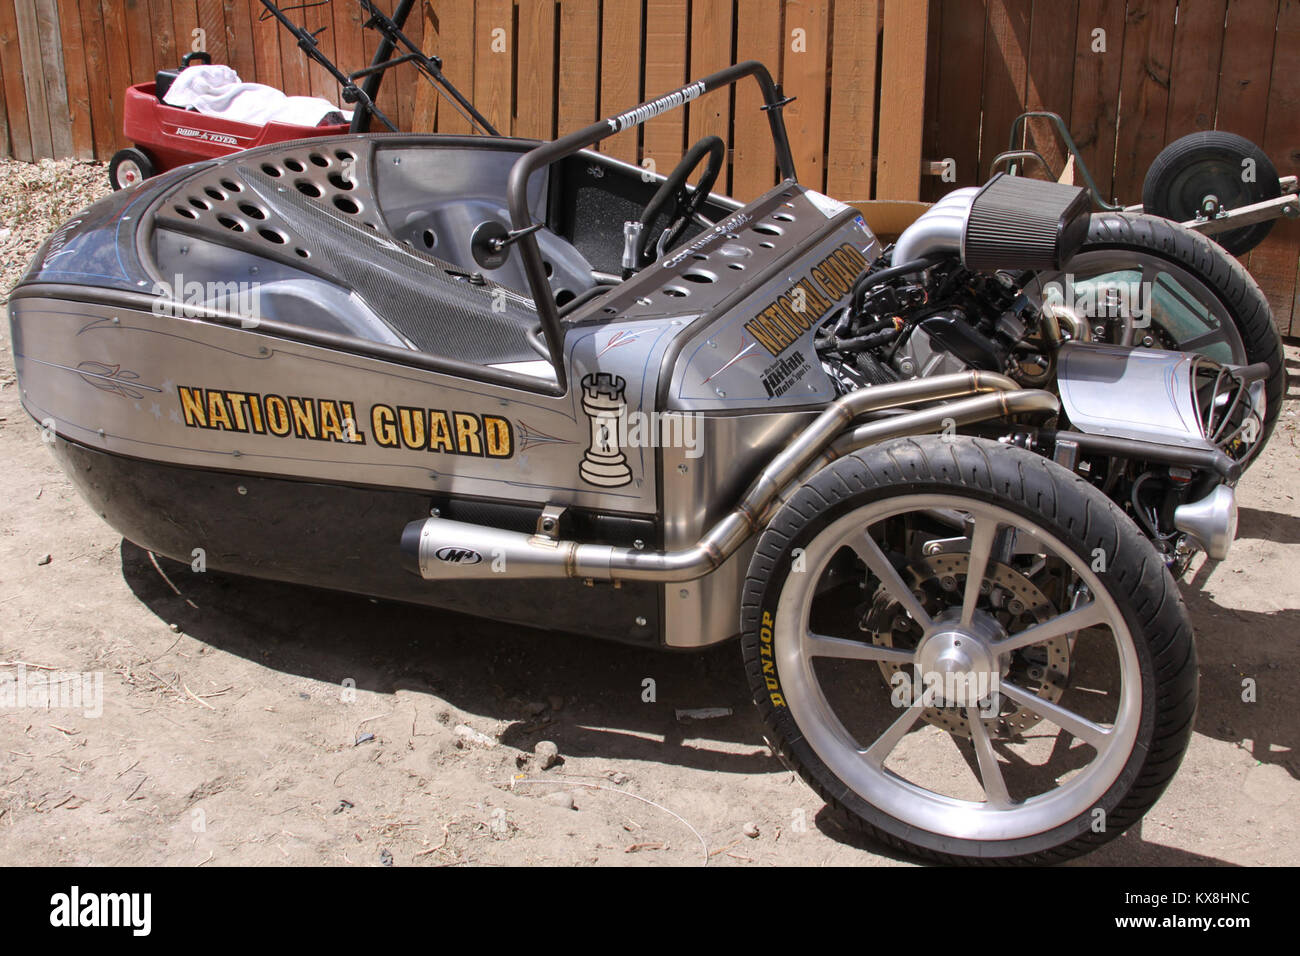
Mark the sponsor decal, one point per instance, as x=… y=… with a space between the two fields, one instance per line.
x=781 y=375
x=448 y=432
x=614 y=429
x=708 y=237
x=669 y=101
x=782 y=322
x=769 y=661
x=453 y=555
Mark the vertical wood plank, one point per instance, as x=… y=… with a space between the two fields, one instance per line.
x=407 y=78
x=853 y=101
x=759 y=36
x=710 y=50
x=293 y=62
x=319 y=82
x=1050 y=77
x=930 y=184
x=1194 y=73
x=388 y=97
x=1275 y=262
x=78 y=83
x=453 y=24
x=117 y=47
x=621 y=35
x=239 y=38
x=266 y=46
x=536 y=76
x=579 y=64
x=140 y=43
x=349 y=49
x=1006 y=65
x=11 y=66
x=55 y=78
x=424 y=107
x=210 y=17
x=161 y=35
x=902 y=106
x=99 y=89
x=1247 y=66
x=1144 y=92
x=185 y=20
x=804 y=75
x=494 y=43
x=1098 y=62
x=663 y=137
x=38 y=114
x=957 y=106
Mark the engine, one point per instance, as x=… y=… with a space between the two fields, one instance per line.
x=1163 y=432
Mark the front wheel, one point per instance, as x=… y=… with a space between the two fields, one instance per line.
x=970 y=651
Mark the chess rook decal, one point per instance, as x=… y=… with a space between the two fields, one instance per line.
x=604 y=464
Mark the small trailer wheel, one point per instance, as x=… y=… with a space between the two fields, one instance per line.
x=129 y=167
x=1202 y=173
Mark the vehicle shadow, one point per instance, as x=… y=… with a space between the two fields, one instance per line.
x=1247 y=660
x=497 y=670
x=477 y=666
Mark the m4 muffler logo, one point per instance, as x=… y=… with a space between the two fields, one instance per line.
x=74 y=909
x=458 y=555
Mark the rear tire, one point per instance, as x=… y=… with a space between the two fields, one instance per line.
x=1189 y=258
x=1154 y=708
x=1211 y=163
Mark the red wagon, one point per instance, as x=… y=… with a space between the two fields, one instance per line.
x=168 y=136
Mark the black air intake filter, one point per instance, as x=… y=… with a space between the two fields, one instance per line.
x=1019 y=223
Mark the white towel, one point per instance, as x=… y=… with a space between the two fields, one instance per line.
x=217 y=91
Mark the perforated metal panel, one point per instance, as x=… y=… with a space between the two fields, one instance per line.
x=313 y=207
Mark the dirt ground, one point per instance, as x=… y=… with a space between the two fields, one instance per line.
x=230 y=733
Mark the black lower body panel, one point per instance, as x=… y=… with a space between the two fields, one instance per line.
x=344 y=538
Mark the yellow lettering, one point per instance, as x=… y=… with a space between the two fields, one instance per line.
x=192 y=406
x=467 y=437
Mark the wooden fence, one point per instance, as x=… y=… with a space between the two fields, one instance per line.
x=1128 y=77
x=880 y=85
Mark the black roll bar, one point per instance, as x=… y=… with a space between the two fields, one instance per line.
x=548 y=153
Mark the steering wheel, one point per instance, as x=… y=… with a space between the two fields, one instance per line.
x=685 y=203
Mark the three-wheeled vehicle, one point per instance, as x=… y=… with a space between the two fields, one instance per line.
x=937 y=500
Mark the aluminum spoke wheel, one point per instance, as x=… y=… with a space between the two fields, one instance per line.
x=959 y=662
x=969 y=652
x=1172 y=307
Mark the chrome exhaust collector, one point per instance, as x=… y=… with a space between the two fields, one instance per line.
x=1212 y=521
x=443 y=549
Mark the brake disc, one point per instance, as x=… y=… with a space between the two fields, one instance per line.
x=1015 y=601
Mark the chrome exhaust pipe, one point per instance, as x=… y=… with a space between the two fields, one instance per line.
x=443 y=549
x=1212 y=521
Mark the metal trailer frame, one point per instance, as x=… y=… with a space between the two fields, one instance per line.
x=1223 y=220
